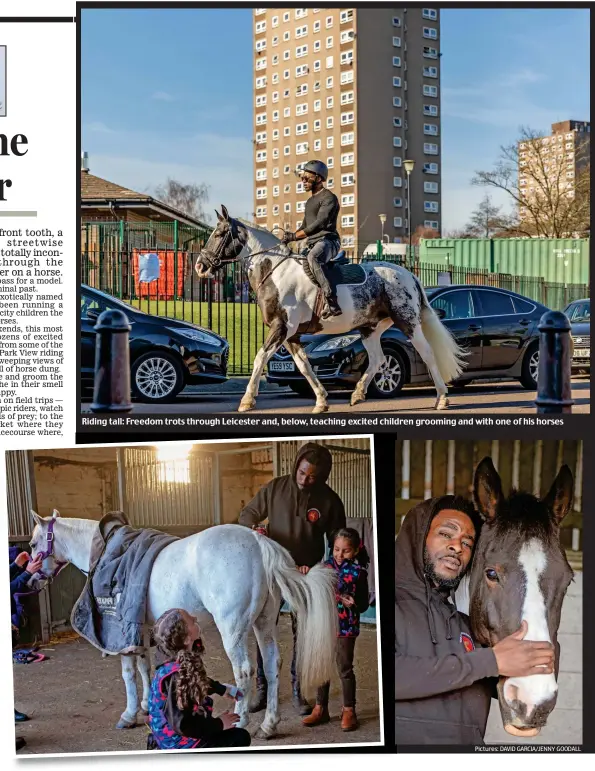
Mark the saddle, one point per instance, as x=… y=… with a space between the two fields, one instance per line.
x=341 y=271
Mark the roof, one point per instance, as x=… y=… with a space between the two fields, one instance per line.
x=100 y=193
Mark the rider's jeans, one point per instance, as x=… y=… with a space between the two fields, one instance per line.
x=320 y=253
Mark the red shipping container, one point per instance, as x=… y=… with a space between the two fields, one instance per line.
x=169 y=285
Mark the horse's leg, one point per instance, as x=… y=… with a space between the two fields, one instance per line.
x=128 y=717
x=143 y=663
x=265 y=629
x=236 y=646
x=275 y=338
x=303 y=364
x=375 y=360
x=424 y=349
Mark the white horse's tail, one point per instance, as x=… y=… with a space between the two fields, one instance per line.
x=449 y=355
x=312 y=599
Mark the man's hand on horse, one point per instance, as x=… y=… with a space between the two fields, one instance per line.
x=22 y=559
x=304 y=569
x=288 y=237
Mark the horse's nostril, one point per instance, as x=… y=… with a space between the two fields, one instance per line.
x=511 y=693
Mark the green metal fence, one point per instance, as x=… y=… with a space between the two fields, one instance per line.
x=226 y=304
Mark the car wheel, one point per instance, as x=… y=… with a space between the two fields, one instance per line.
x=530 y=368
x=156 y=377
x=390 y=378
x=302 y=389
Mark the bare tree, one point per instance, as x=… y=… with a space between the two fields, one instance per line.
x=421 y=231
x=486 y=220
x=190 y=199
x=547 y=202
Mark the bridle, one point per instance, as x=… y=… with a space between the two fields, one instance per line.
x=49 y=552
x=215 y=260
x=59 y=566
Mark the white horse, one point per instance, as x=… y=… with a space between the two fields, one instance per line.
x=239 y=577
x=389 y=295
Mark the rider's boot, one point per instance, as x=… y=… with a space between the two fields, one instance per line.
x=332 y=308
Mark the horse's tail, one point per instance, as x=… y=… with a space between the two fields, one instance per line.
x=449 y=355
x=312 y=599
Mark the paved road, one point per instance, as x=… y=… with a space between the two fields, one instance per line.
x=503 y=397
x=565 y=724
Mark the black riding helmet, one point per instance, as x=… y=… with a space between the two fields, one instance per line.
x=317 y=167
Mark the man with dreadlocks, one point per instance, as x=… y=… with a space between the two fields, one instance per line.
x=301 y=510
x=180 y=704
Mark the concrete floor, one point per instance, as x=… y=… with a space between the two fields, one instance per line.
x=76 y=697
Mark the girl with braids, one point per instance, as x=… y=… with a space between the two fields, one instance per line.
x=349 y=560
x=180 y=707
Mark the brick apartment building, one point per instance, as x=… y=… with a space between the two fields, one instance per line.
x=360 y=90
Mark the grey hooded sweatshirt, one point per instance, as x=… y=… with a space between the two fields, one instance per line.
x=442 y=685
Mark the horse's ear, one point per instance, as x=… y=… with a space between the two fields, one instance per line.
x=559 y=498
x=225 y=212
x=219 y=217
x=36 y=518
x=487 y=490
x=55 y=514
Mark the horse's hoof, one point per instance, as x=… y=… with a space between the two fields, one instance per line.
x=356 y=399
x=441 y=403
x=266 y=732
x=246 y=405
x=125 y=724
x=320 y=408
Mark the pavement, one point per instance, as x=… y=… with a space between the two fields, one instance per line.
x=484 y=397
x=565 y=723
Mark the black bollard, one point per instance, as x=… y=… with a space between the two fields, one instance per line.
x=554 y=374
x=111 y=391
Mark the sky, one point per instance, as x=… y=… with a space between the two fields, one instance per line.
x=168 y=93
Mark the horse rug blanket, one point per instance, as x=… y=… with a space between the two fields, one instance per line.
x=111 y=611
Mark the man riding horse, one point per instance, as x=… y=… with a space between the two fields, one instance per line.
x=319 y=227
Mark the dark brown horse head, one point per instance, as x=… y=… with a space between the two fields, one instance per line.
x=224 y=246
x=520 y=572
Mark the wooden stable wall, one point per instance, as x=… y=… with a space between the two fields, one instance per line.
x=241 y=476
x=78 y=482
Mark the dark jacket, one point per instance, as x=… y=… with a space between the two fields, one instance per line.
x=320 y=218
x=442 y=685
x=298 y=519
x=196 y=723
x=19 y=578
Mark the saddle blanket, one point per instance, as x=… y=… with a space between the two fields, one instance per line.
x=111 y=611
x=348 y=274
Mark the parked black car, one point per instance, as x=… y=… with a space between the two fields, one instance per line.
x=165 y=354
x=496 y=326
x=579 y=315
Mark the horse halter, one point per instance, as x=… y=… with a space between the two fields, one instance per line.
x=215 y=259
x=49 y=552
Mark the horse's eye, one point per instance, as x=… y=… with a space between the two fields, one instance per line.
x=491 y=575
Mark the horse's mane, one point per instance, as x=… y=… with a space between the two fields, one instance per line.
x=526 y=514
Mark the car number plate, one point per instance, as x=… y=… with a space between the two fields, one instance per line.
x=281 y=366
x=582 y=353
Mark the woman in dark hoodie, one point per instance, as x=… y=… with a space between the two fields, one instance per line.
x=443 y=682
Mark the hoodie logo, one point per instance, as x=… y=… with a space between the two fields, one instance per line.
x=313 y=515
x=468 y=643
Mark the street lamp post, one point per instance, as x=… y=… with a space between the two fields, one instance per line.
x=382 y=218
x=408 y=164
